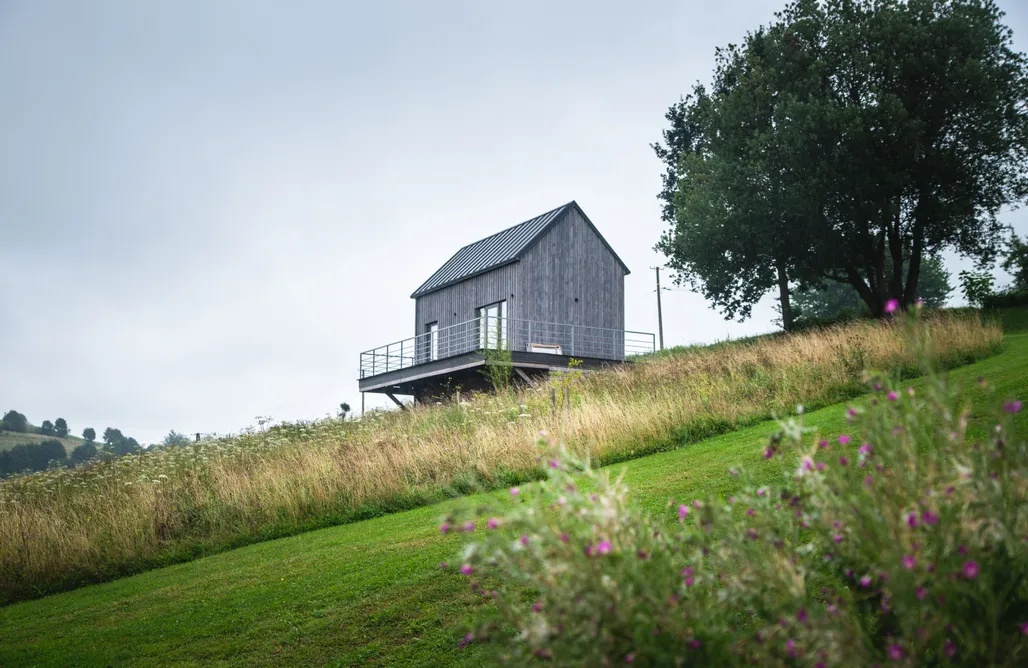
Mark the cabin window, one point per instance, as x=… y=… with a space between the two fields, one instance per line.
x=492 y=325
x=432 y=341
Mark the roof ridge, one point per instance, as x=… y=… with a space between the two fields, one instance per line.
x=508 y=229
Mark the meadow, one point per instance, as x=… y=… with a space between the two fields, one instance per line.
x=60 y=529
x=372 y=592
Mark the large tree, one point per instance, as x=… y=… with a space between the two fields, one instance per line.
x=848 y=137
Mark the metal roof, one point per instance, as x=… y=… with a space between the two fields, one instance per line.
x=495 y=251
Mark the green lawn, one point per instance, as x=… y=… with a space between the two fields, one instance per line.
x=9 y=439
x=370 y=592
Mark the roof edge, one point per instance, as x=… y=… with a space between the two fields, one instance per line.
x=416 y=293
x=567 y=207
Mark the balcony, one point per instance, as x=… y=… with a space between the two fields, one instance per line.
x=532 y=344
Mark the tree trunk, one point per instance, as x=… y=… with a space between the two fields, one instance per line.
x=914 y=270
x=896 y=255
x=783 y=298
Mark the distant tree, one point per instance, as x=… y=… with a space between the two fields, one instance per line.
x=47 y=428
x=1016 y=262
x=112 y=436
x=32 y=457
x=83 y=453
x=15 y=421
x=976 y=286
x=344 y=408
x=51 y=451
x=175 y=438
x=89 y=434
x=61 y=428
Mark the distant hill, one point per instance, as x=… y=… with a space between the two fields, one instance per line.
x=9 y=439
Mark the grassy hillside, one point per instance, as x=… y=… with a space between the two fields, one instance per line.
x=370 y=593
x=63 y=528
x=9 y=439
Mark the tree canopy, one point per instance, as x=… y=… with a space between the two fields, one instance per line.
x=15 y=421
x=847 y=137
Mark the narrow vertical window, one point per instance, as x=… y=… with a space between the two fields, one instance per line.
x=432 y=342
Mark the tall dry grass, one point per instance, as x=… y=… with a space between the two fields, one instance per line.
x=66 y=527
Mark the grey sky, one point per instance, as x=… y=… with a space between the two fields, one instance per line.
x=208 y=209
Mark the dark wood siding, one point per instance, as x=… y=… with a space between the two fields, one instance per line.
x=568 y=276
x=571 y=262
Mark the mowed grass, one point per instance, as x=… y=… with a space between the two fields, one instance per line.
x=372 y=593
x=64 y=528
x=9 y=439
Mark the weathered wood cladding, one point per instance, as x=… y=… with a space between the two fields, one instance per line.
x=568 y=276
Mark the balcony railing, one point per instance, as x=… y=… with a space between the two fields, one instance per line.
x=515 y=334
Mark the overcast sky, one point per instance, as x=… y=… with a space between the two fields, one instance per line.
x=209 y=209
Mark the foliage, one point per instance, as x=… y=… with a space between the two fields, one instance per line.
x=976 y=286
x=903 y=541
x=1006 y=299
x=46 y=428
x=344 y=409
x=1016 y=262
x=61 y=428
x=835 y=300
x=498 y=368
x=175 y=503
x=174 y=438
x=15 y=421
x=89 y=434
x=32 y=457
x=117 y=443
x=785 y=175
x=83 y=453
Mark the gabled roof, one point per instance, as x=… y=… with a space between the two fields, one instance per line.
x=500 y=249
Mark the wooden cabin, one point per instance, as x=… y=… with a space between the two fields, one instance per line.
x=547 y=290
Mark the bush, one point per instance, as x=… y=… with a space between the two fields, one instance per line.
x=83 y=453
x=15 y=421
x=1007 y=299
x=902 y=542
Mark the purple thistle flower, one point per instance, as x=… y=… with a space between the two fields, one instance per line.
x=444 y=527
x=821 y=466
x=469 y=527
x=962 y=549
x=769 y=453
x=492 y=523
x=891 y=306
x=642 y=555
x=801 y=616
x=896 y=653
x=790 y=646
x=564 y=538
x=852 y=412
x=844 y=439
x=912 y=520
x=683 y=511
x=909 y=561
x=1024 y=628
x=630 y=657
x=697 y=504
x=971 y=570
x=1013 y=406
x=466 y=569
x=537 y=606
x=443 y=565
x=761 y=492
x=603 y=547
x=950 y=648
x=733 y=472
x=920 y=593
x=930 y=518
x=869 y=480
x=554 y=464
x=892 y=396
x=865 y=581
x=524 y=539
x=751 y=512
x=823 y=444
x=844 y=461
x=865 y=449
x=514 y=491
x=837 y=538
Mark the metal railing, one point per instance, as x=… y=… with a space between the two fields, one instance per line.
x=515 y=334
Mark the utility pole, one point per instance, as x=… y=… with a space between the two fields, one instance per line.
x=660 y=315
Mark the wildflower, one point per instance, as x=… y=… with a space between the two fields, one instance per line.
x=920 y=593
x=909 y=561
x=443 y=565
x=852 y=412
x=492 y=523
x=844 y=439
x=869 y=480
x=564 y=538
x=895 y=652
x=1024 y=628
x=697 y=504
x=466 y=569
x=1013 y=406
x=696 y=644
x=469 y=527
x=930 y=518
x=837 y=538
x=630 y=657
x=891 y=305
x=801 y=616
x=524 y=539
x=912 y=520
x=808 y=464
x=865 y=581
x=769 y=453
x=843 y=461
x=733 y=472
x=790 y=646
x=537 y=606
x=554 y=464
x=603 y=547
x=642 y=555
x=865 y=449
x=823 y=444
x=950 y=648
x=444 y=527
x=971 y=570
x=751 y=512
x=683 y=510
x=514 y=491
x=761 y=492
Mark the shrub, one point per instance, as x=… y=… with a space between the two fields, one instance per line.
x=902 y=542
x=1006 y=299
x=15 y=421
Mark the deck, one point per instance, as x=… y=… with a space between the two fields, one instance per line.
x=451 y=358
